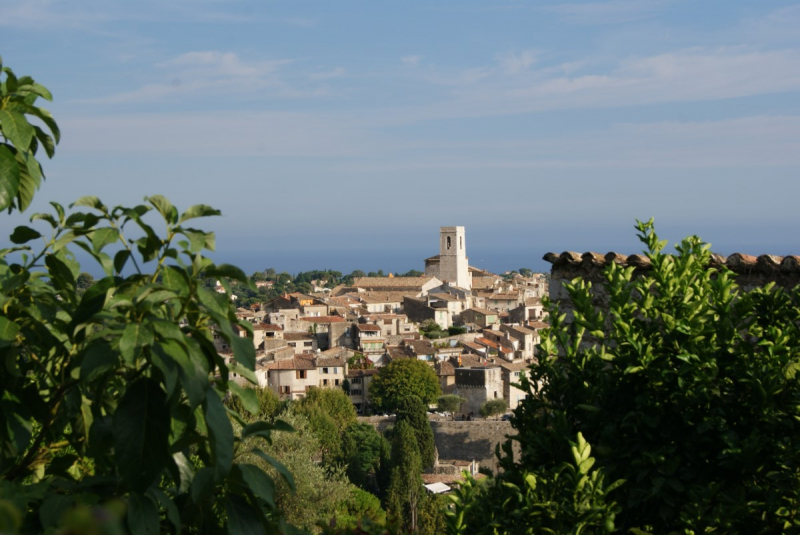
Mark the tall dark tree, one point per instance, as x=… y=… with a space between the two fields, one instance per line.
x=405 y=485
x=412 y=410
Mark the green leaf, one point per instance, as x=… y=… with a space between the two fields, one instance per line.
x=8 y=331
x=228 y=271
x=198 y=210
x=143 y=518
x=173 y=515
x=220 y=435
x=9 y=177
x=104 y=236
x=244 y=352
x=97 y=359
x=186 y=471
x=141 y=433
x=282 y=470
x=16 y=129
x=90 y=201
x=202 y=484
x=135 y=337
x=258 y=482
x=243 y=519
x=164 y=207
x=120 y=259
x=247 y=395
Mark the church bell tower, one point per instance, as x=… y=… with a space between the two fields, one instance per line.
x=453 y=264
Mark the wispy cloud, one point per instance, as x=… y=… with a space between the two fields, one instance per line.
x=607 y=12
x=213 y=72
x=514 y=63
x=410 y=60
x=690 y=75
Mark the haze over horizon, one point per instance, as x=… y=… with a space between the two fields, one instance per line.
x=336 y=135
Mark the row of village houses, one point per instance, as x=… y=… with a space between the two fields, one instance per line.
x=307 y=341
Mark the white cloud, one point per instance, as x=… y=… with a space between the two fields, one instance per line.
x=215 y=72
x=410 y=60
x=608 y=12
x=514 y=63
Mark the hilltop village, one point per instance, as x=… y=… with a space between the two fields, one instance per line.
x=478 y=330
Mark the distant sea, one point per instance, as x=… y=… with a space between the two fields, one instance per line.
x=371 y=260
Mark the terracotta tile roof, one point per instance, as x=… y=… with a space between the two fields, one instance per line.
x=384 y=297
x=737 y=262
x=330 y=362
x=391 y=282
x=538 y=325
x=295 y=363
x=269 y=327
x=473 y=346
x=322 y=319
x=444 y=368
x=484 y=311
x=513 y=366
x=296 y=337
x=420 y=347
x=482 y=283
x=486 y=342
x=368 y=327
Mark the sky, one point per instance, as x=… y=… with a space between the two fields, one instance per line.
x=343 y=134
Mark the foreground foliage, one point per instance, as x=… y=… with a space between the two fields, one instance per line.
x=570 y=497
x=686 y=386
x=111 y=413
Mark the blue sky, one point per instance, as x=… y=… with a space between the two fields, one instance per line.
x=343 y=134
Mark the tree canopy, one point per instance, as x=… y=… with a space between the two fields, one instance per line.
x=402 y=378
x=687 y=387
x=111 y=411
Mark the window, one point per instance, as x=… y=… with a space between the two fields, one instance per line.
x=285 y=390
x=336 y=371
x=355 y=392
x=336 y=382
x=448 y=242
x=300 y=374
x=324 y=370
x=461 y=242
x=356 y=380
x=324 y=382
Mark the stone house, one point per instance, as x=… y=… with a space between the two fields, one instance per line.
x=290 y=378
x=480 y=316
x=368 y=338
x=359 y=388
x=526 y=338
x=301 y=342
x=511 y=373
x=478 y=385
x=500 y=302
x=331 y=371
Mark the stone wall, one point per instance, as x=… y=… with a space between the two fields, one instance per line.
x=459 y=440
x=750 y=271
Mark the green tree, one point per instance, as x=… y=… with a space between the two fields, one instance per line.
x=526 y=272
x=20 y=173
x=450 y=403
x=329 y=413
x=111 y=409
x=493 y=407
x=361 y=453
x=405 y=485
x=569 y=497
x=686 y=385
x=411 y=409
x=402 y=378
x=319 y=493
